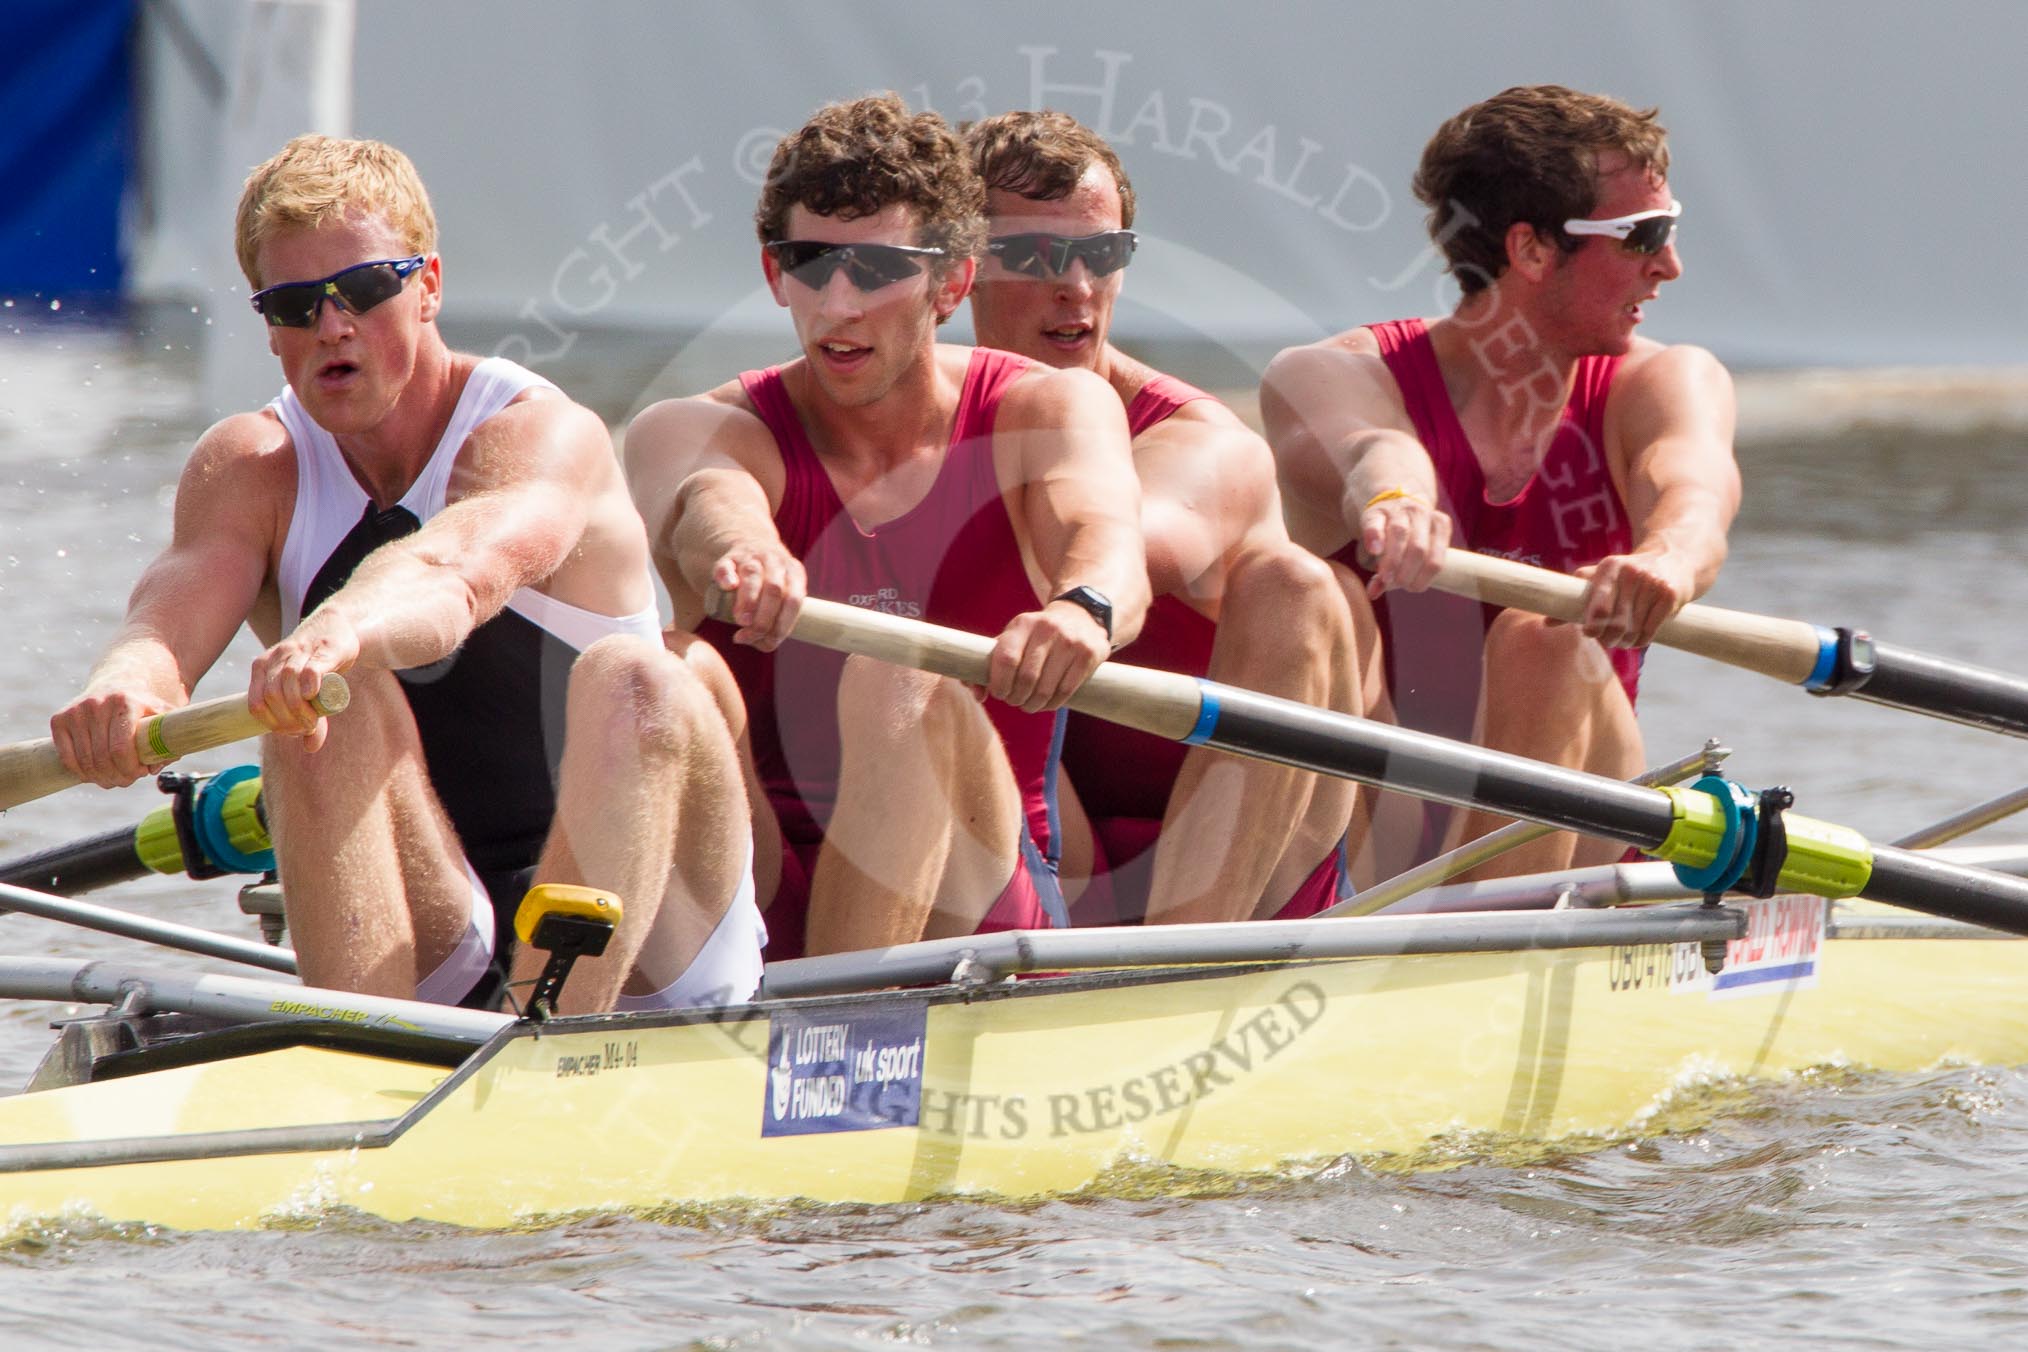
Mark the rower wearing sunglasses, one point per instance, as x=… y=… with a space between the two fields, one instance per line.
x=883 y=469
x=454 y=536
x=1531 y=422
x=1182 y=834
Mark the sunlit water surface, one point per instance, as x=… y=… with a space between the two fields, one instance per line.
x=1855 y=1210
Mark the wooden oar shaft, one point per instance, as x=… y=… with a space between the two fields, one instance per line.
x=1182 y=708
x=1159 y=702
x=32 y=769
x=1826 y=661
x=1787 y=650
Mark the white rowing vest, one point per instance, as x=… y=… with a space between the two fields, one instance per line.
x=330 y=503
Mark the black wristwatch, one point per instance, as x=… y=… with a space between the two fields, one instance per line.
x=1093 y=603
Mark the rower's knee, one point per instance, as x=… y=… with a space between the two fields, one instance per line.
x=626 y=692
x=376 y=734
x=1524 y=648
x=1284 y=627
x=881 y=707
x=1284 y=581
x=707 y=666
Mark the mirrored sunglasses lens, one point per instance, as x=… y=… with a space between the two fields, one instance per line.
x=291 y=307
x=809 y=264
x=363 y=288
x=817 y=272
x=1022 y=254
x=1651 y=235
x=876 y=265
x=1108 y=253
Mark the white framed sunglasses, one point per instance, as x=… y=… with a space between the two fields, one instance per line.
x=1644 y=232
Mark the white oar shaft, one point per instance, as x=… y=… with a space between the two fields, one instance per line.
x=31 y=770
x=1787 y=650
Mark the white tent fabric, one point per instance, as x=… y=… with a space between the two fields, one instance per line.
x=1848 y=169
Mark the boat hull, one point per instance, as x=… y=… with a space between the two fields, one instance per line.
x=1021 y=1088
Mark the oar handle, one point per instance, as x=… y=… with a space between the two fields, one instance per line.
x=31 y=770
x=1787 y=650
x=1161 y=702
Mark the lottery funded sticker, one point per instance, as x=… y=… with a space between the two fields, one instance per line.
x=847 y=1068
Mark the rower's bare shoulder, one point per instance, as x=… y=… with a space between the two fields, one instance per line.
x=1658 y=381
x=1059 y=396
x=1208 y=427
x=243 y=453
x=1338 y=380
x=1207 y=416
x=680 y=443
x=541 y=436
x=1650 y=362
x=1206 y=455
x=239 y=482
x=719 y=423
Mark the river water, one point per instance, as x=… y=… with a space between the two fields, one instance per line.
x=1859 y=1210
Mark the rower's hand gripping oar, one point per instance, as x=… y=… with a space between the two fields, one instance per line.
x=32 y=769
x=1822 y=661
x=1720 y=837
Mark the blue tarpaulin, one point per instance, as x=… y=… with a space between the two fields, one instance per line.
x=65 y=144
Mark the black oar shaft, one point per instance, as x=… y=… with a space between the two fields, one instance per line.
x=1957 y=691
x=80 y=866
x=1954 y=891
x=1468 y=776
x=1434 y=767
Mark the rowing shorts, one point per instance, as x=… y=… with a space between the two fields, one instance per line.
x=1030 y=900
x=726 y=971
x=1328 y=884
x=470 y=965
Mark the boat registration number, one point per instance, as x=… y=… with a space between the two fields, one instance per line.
x=1781 y=950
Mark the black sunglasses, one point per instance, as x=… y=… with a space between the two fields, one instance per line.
x=1048 y=256
x=295 y=305
x=867 y=266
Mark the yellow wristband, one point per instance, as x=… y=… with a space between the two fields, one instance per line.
x=1390 y=494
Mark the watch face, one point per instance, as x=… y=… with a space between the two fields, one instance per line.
x=1093 y=603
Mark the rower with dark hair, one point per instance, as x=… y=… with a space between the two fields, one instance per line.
x=1531 y=422
x=881 y=468
x=1183 y=835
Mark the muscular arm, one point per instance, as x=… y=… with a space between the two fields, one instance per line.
x=190 y=600
x=522 y=496
x=1207 y=492
x=1672 y=419
x=707 y=478
x=1341 y=438
x=1063 y=436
